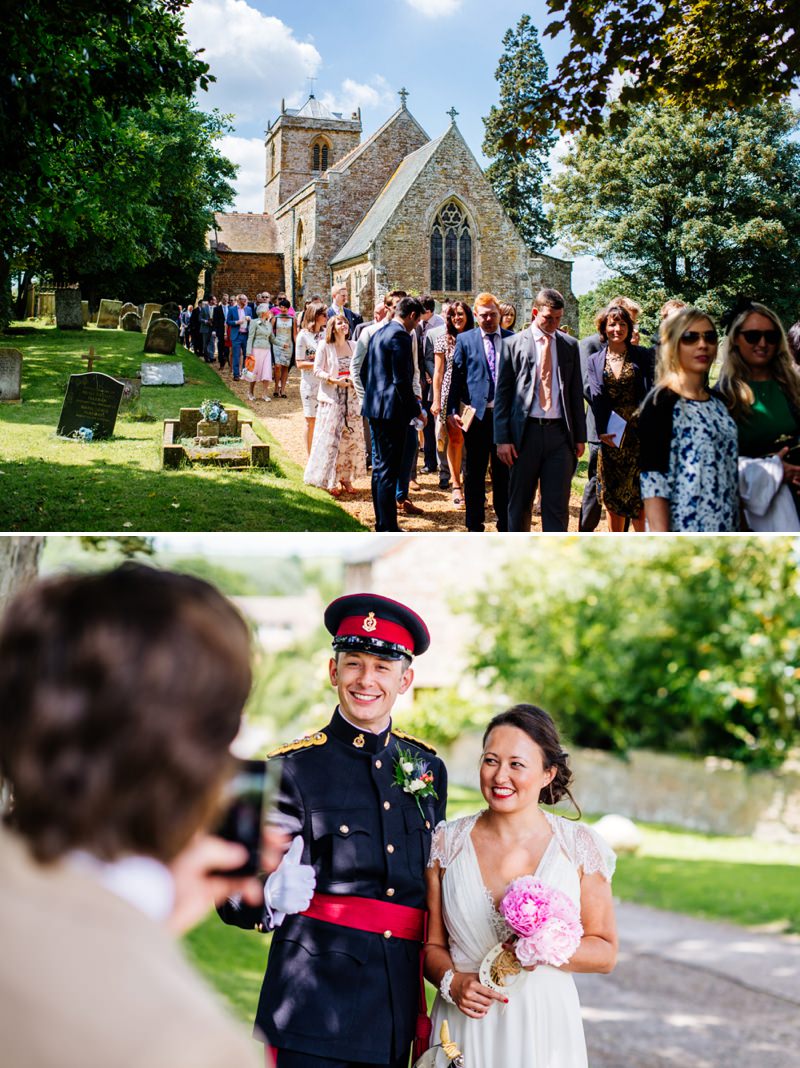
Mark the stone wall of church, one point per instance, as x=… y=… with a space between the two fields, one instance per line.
x=342 y=199
x=502 y=263
x=292 y=138
x=248 y=272
x=359 y=278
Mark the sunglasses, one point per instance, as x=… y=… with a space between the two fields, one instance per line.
x=752 y=337
x=691 y=337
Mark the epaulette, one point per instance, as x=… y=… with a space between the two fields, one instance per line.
x=416 y=741
x=306 y=742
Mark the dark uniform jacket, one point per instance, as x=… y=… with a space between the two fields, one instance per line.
x=332 y=991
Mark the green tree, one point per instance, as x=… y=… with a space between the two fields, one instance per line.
x=517 y=172
x=70 y=72
x=696 y=53
x=681 y=645
x=589 y=304
x=696 y=206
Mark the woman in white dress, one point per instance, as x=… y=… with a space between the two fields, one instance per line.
x=315 y=319
x=337 y=448
x=473 y=859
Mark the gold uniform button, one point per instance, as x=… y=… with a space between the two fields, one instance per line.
x=390 y=892
x=387 y=805
x=344 y=829
x=390 y=848
x=378 y=764
x=387 y=934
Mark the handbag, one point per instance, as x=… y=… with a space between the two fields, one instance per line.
x=250 y=363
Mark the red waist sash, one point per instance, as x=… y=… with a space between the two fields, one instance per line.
x=367 y=914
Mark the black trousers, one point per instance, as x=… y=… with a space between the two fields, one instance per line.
x=480 y=452
x=545 y=458
x=288 y=1059
x=590 y=505
x=388 y=441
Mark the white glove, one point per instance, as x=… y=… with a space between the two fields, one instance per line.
x=290 y=887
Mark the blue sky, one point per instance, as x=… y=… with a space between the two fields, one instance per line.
x=445 y=52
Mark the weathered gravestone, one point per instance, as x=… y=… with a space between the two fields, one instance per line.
x=92 y=400
x=69 y=314
x=46 y=305
x=131 y=321
x=10 y=376
x=108 y=316
x=162 y=337
x=170 y=310
x=149 y=311
x=128 y=307
x=85 y=311
x=132 y=390
x=162 y=374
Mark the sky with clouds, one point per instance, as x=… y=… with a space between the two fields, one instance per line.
x=445 y=52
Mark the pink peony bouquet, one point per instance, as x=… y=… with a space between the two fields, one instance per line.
x=547 y=922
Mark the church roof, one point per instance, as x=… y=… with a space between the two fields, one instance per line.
x=346 y=161
x=244 y=232
x=387 y=202
x=313 y=109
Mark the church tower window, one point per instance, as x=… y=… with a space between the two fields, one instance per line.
x=451 y=250
x=320 y=156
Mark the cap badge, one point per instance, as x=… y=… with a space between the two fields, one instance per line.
x=370 y=623
x=358 y=741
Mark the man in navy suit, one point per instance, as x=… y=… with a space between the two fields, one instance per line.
x=339 y=307
x=475 y=363
x=387 y=375
x=539 y=417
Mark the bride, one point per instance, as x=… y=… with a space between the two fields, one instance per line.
x=473 y=859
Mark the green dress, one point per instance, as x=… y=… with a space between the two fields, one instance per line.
x=770 y=418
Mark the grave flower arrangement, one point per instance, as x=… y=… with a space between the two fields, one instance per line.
x=413 y=776
x=213 y=411
x=546 y=922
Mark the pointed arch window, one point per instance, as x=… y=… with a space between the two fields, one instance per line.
x=451 y=250
x=320 y=156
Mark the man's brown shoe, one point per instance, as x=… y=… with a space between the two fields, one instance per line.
x=410 y=508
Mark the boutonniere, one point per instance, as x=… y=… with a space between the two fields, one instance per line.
x=412 y=775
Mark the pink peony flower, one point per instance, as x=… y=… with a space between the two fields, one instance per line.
x=546 y=920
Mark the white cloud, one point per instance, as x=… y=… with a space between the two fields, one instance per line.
x=352 y=95
x=248 y=154
x=434 y=9
x=255 y=58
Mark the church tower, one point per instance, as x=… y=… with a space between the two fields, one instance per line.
x=302 y=144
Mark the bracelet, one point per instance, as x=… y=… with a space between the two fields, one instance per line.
x=444 y=986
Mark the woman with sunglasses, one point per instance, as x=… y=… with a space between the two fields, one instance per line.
x=687 y=438
x=761 y=384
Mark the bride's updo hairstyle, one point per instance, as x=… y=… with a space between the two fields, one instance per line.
x=539 y=727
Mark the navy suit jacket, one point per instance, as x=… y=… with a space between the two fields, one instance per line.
x=351 y=317
x=387 y=375
x=471 y=372
x=642 y=360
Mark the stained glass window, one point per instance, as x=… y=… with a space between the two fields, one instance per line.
x=451 y=250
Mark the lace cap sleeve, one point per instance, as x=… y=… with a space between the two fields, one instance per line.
x=439 y=845
x=593 y=853
x=448 y=838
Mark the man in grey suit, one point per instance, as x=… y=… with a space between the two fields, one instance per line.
x=539 y=419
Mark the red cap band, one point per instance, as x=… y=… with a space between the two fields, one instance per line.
x=371 y=626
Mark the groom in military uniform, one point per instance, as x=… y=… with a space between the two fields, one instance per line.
x=343 y=977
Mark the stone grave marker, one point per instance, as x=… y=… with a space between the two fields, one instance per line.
x=131 y=321
x=92 y=400
x=170 y=310
x=90 y=357
x=162 y=374
x=46 y=305
x=10 y=376
x=108 y=316
x=128 y=307
x=85 y=312
x=149 y=311
x=162 y=336
x=69 y=314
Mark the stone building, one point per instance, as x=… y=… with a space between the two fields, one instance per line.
x=396 y=210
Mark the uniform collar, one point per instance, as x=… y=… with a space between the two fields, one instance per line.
x=364 y=741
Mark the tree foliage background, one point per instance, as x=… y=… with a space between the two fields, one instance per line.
x=692 y=205
x=106 y=164
x=680 y=645
x=517 y=172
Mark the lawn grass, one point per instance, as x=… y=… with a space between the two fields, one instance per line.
x=55 y=484
x=738 y=880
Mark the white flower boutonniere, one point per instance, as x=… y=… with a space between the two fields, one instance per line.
x=413 y=776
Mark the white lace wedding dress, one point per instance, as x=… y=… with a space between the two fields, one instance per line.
x=541 y=1025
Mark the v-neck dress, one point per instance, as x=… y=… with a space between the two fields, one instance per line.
x=541 y=1025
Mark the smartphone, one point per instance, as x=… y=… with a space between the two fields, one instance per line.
x=247 y=800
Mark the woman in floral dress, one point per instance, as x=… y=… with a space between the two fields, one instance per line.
x=337 y=450
x=458 y=318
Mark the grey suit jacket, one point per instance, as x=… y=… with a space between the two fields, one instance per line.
x=516 y=378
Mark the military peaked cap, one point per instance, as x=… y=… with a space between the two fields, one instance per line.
x=368 y=623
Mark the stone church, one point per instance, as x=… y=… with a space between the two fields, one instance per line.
x=398 y=210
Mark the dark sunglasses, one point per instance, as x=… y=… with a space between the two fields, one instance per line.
x=752 y=337
x=691 y=337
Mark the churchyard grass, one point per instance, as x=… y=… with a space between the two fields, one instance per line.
x=49 y=483
x=738 y=880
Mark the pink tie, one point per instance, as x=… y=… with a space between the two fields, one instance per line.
x=546 y=383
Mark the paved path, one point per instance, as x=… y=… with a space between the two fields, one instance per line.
x=692 y=994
